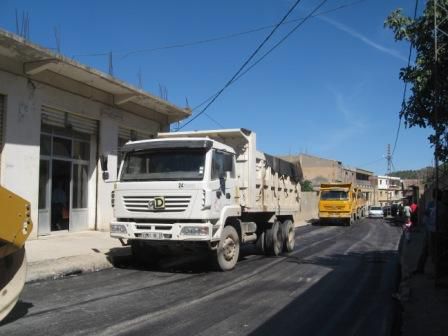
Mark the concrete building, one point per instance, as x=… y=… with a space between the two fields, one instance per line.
x=388 y=190
x=58 y=118
x=319 y=170
x=413 y=189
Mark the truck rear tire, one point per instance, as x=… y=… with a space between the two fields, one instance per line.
x=273 y=241
x=228 y=249
x=288 y=235
x=144 y=255
x=260 y=241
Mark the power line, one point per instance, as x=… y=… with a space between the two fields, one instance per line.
x=213 y=39
x=302 y=20
x=242 y=73
x=282 y=40
x=229 y=82
x=403 y=102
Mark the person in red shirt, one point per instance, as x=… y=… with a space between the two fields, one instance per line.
x=414 y=211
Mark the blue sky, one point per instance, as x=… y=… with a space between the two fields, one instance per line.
x=330 y=90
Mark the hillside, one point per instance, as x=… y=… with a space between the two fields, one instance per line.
x=422 y=173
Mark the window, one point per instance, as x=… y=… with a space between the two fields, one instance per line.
x=164 y=165
x=334 y=195
x=222 y=163
x=62 y=147
x=80 y=184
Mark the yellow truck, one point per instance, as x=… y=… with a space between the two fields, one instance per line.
x=15 y=227
x=341 y=203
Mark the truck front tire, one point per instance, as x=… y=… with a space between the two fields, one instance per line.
x=228 y=249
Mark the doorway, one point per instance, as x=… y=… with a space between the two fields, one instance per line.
x=60 y=195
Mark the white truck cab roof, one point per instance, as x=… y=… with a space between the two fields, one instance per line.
x=177 y=142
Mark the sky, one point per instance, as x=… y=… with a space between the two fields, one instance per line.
x=331 y=89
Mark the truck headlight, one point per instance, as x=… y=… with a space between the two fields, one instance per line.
x=194 y=231
x=118 y=228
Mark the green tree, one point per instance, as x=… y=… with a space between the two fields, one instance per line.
x=427 y=78
x=306 y=185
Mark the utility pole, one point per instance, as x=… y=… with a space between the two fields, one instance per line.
x=389 y=160
x=439 y=10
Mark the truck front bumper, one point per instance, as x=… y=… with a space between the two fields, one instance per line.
x=177 y=231
x=334 y=215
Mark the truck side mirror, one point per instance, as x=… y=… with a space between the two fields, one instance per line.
x=222 y=184
x=103 y=162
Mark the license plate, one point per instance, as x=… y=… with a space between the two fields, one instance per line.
x=152 y=235
x=334 y=215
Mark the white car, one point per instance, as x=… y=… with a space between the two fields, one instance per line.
x=376 y=212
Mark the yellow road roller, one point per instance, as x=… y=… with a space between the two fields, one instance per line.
x=15 y=227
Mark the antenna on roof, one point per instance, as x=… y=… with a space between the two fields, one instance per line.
x=111 y=65
x=57 y=37
x=23 y=27
x=140 y=78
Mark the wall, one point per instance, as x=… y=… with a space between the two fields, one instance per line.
x=308 y=206
x=19 y=170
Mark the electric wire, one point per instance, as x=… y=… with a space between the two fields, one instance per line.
x=242 y=73
x=246 y=62
x=403 y=102
x=212 y=39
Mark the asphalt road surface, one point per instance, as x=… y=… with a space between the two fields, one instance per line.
x=338 y=281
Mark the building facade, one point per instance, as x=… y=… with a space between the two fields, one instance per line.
x=58 y=120
x=388 y=190
x=319 y=170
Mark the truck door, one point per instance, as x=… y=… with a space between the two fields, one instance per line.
x=222 y=181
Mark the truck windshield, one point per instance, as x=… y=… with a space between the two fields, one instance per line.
x=333 y=195
x=164 y=165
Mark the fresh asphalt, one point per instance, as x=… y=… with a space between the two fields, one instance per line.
x=338 y=281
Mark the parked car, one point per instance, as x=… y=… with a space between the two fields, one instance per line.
x=376 y=212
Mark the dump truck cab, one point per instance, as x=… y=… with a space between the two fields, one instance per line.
x=337 y=203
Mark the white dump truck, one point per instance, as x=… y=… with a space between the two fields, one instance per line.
x=204 y=190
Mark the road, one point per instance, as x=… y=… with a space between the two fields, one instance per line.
x=338 y=281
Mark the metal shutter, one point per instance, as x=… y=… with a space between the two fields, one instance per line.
x=58 y=118
x=127 y=134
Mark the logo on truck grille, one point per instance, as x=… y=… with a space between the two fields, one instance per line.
x=157 y=203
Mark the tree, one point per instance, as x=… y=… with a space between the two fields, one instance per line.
x=427 y=105
x=306 y=185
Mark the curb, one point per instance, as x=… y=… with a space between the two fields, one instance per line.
x=74 y=265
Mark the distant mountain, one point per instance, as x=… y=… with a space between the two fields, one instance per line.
x=423 y=174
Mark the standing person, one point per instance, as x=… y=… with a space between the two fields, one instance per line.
x=414 y=213
x=429 y=221
x=407 y=222
x=407 y=212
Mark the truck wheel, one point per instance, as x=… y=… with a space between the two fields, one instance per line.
x=260 y=242
x=288 y=235
x=144 y=255
x=273 y=241
x=228 y=249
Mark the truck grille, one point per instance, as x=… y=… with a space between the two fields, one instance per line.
x=334 y=207
x=176 y=203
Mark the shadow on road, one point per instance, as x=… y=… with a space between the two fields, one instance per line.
x=353 y=298
x=20 y=310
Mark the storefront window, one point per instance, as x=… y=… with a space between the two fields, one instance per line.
x=62 y=147
x=80 y=179
x=81 y=150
